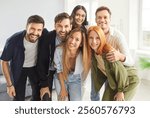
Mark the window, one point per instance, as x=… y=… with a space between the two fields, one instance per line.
x=145 y=25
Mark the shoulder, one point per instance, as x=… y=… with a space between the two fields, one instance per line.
x=44 y=32
x=16 y=37
x=59 y=48
x=52 y=33
x=117 y=35
x=47 y=36
x=51 y=36
x=115 y=32
x=44 y=35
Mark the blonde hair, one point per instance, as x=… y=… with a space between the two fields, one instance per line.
x=103 y=47
x=84 y=50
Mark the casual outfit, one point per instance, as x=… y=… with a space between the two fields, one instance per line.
x=120 y=79
x=117 y=40
x=23 y=59
x=45 y=61
x=74 y=82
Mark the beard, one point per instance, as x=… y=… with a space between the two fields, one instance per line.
x=62 y=36
x=32 y=37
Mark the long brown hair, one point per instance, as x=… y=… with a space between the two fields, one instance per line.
x=103 y=47
x=73 y=14
x=84 y=50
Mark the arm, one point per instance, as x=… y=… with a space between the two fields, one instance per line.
x=117 y=78
x=59 y=68
x=43 y=60
x=121 y=77
x=5 y=69
x=43 y=64
x=97 y=75
x=63 y=92
x=115 y=56
x=119 y=42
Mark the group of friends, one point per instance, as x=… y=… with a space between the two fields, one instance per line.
x=65 y=55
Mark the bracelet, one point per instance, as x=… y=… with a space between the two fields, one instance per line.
x=10 y=85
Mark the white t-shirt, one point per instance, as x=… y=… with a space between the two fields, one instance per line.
x=30 y=53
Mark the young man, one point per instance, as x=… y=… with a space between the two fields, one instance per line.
x=117 y=41
x=20 y=52
x=63 y=25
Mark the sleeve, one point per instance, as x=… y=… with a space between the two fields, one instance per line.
x=117 y=75
x=97 y=77
x=124 y=49
x=43 y=61
x=58 y=59
x=121 y=75
x=7 y=53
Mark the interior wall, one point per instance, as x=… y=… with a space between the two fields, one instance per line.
x=119 y=9
x=14 y=14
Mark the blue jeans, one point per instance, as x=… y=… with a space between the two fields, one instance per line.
x=95 y=96
x=73 y=86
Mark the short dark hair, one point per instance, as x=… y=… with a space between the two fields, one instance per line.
x=61 y=16
x=103 y=8
x=74 y=13
x=35 y=19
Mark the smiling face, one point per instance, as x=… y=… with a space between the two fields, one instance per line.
x=103 y=20
x=94 y=40
x=74 y=41
x=63 y=28
x=80 y=17
x=33 y=31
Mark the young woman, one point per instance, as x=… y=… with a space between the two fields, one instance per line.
x=79 y=15
x=122 y=80
x=72 y=63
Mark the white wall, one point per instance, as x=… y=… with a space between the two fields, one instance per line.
x=14 y=14
x=125 y=16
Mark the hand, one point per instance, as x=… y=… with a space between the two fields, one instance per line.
x=113 y=56
x=119 y=96
x=11 y=91
x=43 y=91
x=63 y=95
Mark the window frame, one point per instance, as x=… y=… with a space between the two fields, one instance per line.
x=141 y=30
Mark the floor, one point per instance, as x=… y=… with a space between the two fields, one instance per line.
x=141 y=95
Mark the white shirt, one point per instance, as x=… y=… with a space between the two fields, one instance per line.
x=117 y=40
x=30 y=53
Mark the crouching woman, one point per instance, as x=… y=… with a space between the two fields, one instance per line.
x=71 y=60
x=122 y=80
